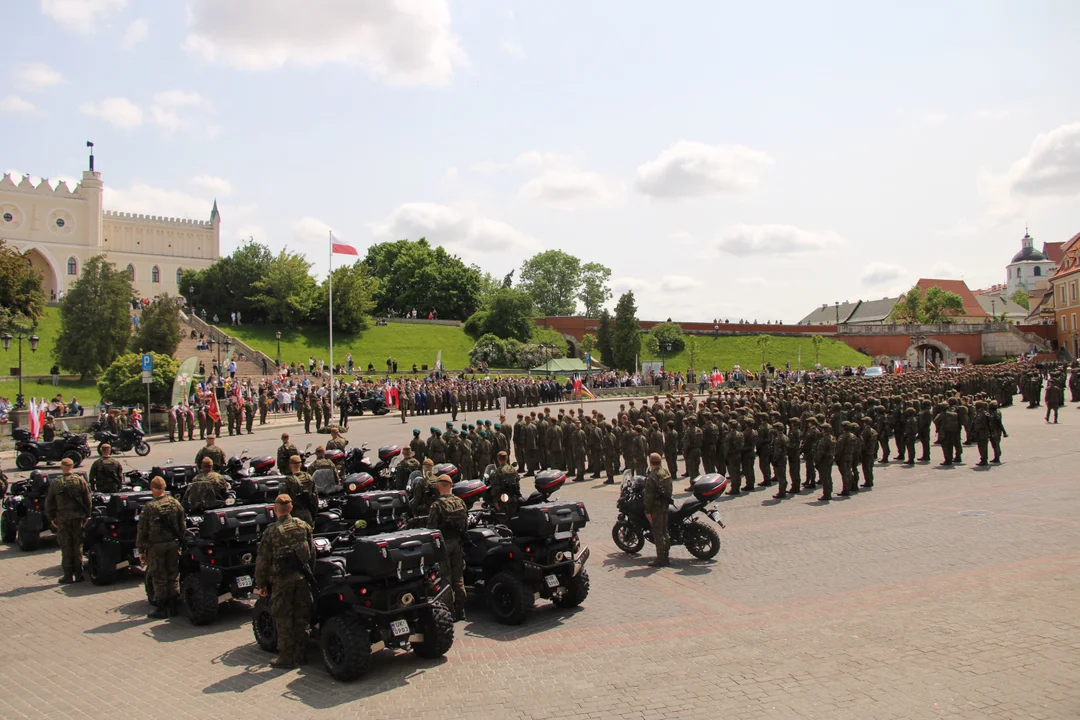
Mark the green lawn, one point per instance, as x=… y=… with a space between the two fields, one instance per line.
x=406 y=343
x=726 y=352
x=86 y=392
x=34 y=363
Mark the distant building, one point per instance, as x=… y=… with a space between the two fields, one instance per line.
x=1065 y=296
x=59 y=229
x=1029 y=267
x=877 y=312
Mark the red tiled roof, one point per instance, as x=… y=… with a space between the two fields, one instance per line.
x=1054 y=251
x=971 y=304
x=1070 y=261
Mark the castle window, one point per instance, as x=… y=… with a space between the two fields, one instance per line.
x=73 y=266
x=131 y=272
x=155 y=275
x=179 y=274
x=60 y=222
x=1038 y=271
x=1019 y=271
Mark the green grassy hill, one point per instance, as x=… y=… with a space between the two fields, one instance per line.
x=39 y=363
x=725 y=352
x=404 y=342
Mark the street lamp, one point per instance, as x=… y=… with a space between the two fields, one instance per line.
x=664 y=348
x=278 y=336
x=34 y=339
x=837 y=303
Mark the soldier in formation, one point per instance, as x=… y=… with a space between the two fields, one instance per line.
x=286 y=556
x=161 y=527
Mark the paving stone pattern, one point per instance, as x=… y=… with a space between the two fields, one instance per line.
x=891 y=604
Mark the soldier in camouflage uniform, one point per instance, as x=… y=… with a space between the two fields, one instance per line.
x=249 y=414
x=106 y=474
x=286 y=451
x=657 y=500
x=555 y=447
x=609 y=445
x=997 y=429
x=692 y=440
x=733 y=447
x=436 y=448
x=207 y=491
x=911 y=434
x=418 y=447
x=778 y=457
x=336 y=442
x=448 y=515
x=161 y=526
x=286 y=546
x=980 y=431
x=426 y=494
x=212 y=451
x=869 y=451
x=844 y=454
x=322 y=462
x=794 y=449
x=299 y=486
x=508 y=482
x=577 y=447
x=67 y=505
x=824 y=450
x=671 y=449
x=405 y=468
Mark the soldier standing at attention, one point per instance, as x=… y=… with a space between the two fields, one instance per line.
x=823 y=461
x=778 y=455
x=997 y=429
x=301 y=489
x=869 y=451
x=436 y=448
x=285 y=549
x=286 y=451
x=249 y=414
x=980 y=431
x=671 y=449
x=657 y=499
x=1055 y=398
x=418 y=446
x=405 y=468
x=67 y=506
x=161 y=525
x=212 y=451
x=106 y=474
x=449 y=516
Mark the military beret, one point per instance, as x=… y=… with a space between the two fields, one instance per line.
x=778 y=426
x=449 y=424
x=433 y=429
x=415 y=431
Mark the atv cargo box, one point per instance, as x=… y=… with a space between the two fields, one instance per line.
x=259 y=489
x=126 y=505
x=709 y=487
x=447 y=469
x=176 y=477
x=546 y=519
x=389 y=452
x=404 y=555
x=374 y=507
x=240 y=522
x=262 y=464
x=358 y=483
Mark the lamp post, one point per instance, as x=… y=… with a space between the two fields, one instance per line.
x=7 y=338
x=993 y=310
x=837 y=303
x=664 y=349
x=278 y=336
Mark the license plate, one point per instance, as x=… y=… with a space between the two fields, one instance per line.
x=244 y=581
x=715 y=515
x=552 y=581
x=399 y=627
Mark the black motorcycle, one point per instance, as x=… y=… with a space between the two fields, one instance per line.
x=239 y=467
x=356 y=461
x=632 y=528
x=30 y=452
x=129 y=438
x=375 y=405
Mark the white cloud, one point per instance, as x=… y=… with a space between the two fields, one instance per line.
x=692 y=169
x=992 y=114
x=149 y=200
x=35 y=77
x=933 y=118
x=679 y=283
x=536 y=160
x=15 y=105
x=137 y=31
x=1051 y=167
x=945 y=271
x=459 y=229
x=757 y=281
x=80 y=16
x=512 y=49
x=216 y=186
x=309 y=230
x=179 y=110
x=487 y=167
x=787 y=240
x=407 y=42
x=877 y=273
x=570 y=189
x=118 y=112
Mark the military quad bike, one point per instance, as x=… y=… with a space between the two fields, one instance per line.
x=632 y=528
x=23 y=518
x=371 y=593
x=29 y=453
x=110 y=534
x=356 y=506
x=536 y=554
x=356 y=461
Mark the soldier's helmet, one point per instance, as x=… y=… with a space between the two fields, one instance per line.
x=980 y=404
x=910 y=411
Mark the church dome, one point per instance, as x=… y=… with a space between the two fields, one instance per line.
x=1029 y=254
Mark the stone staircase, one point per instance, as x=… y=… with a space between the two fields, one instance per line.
x=249 y=366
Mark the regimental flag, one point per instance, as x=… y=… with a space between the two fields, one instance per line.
x=930 y=364
x=212 y=410
x=339 y=248
x=717 y=378
x=32 y=418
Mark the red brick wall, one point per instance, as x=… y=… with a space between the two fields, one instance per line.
x=578 y=326
x=874 y=345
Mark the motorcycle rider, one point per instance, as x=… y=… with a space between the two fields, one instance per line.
x=405 y=468
x=301 y=488
x=106 y=474
x=657 y=499
x=324 y=463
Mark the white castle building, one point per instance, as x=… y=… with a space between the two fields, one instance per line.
x=59 y=229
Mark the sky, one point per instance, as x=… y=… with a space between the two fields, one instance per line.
x=725 y=160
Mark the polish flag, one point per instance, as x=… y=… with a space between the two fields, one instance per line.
x=212 y=409
x=339 y=248
x=32 y=418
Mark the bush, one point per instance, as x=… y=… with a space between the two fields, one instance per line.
x=509 y=353
x=476 y=325
x=122 y=384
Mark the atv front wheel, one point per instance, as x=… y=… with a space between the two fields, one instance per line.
x=262 y=624
x=74 y=456
x=629 y=538
x=200 y=600
x=509 y=598
x=26 y=461
x=346 y=648
x=702 y=541
x=102 y=572
x=577 y=589
x=7 y=529
x=437 y=625
x=27 y=540
x=142 y=449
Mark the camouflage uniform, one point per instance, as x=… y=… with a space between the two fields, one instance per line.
x=301 y=488
x=290 y=595
x=657 y=499
x=68 y=505
x=404 y=471
x=206 y=492
x=213 y=452
x=448 y=515
x=161 y=525
x=325 y=463
x=506 y=481
x=286 y=451
x=106 y=475
x=778 y=456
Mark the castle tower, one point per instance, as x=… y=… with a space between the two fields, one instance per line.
x=92 y=190
x=215 y=223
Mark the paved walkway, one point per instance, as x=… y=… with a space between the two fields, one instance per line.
x=943 y=593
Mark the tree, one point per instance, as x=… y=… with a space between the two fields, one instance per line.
x=509 y=315
x=552 y=278
x=22 y=297
x=227 y=285
x=95 y=322
x=817 y=342
x=941 y=305
x=287 y=292
x=908 y=308
x=603 y=338
x=122 y=384
x=594 y=291
x=1021 y=298
x=159 y=328
x=692 y=350
x=415 y=275
x=489 y=285
x=666 y=333
x=626 y=335
x=588 y=343
x=354 y=299
x=763 y=342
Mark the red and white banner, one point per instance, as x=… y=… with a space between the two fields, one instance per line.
x=339 y=248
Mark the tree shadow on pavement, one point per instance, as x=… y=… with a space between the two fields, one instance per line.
x=256 y=670
x=231 y=615
x=390 y=670
x=133 y=614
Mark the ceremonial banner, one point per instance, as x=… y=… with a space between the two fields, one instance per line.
x=182 y=383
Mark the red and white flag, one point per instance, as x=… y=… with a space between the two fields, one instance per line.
x=339 y=248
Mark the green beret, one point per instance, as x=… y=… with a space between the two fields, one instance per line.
x=415 y=431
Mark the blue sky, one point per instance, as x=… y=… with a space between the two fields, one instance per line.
x=724 y=159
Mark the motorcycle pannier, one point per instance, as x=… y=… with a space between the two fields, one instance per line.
x=403 y=555
x=389 y=452
x=358 y=483
x=546 y=519
x=548 y=481
x=176 y=476
x=469 y=491
x=374 y=506
x=709 y=487
x=243 y=522
x=259 y=489
x=261 y=464
x=126 y=505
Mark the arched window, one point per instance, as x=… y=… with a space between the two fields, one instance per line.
x=179 y=274
x=1038 y=271
x=73 y=266
x=1019 y=271
x=131 y=272
x=155 y=274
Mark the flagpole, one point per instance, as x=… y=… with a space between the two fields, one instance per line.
x=330 y=280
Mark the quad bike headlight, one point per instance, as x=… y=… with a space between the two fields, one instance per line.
x=407 y=599
x=247 y=558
